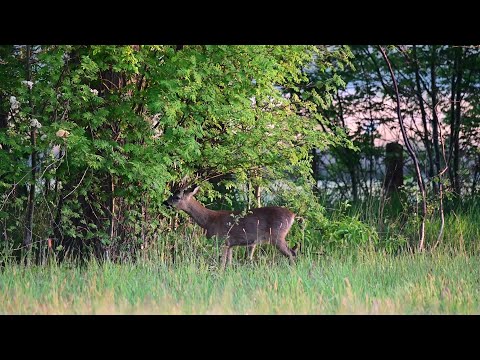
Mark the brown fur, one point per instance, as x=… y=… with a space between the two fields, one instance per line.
x=261 y=225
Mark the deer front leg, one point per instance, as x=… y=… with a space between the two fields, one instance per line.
x=230 y=250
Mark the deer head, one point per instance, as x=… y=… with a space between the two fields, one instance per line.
x=181 y=198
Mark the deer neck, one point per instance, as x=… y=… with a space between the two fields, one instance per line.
x=199 y=213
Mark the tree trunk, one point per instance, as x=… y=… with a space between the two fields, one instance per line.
x=57 y=233
x=3 y=125
x=27 y=239
x=111 y=230
x=455 y=113
x=458 y=109
x=315 y=164
x=353 y=177
x=3 y=116
x=426 y=138
x=258 y=195
x=475 y=175
x=394 y=168
x=452 y=122
x=435 y=123
x=371 y=160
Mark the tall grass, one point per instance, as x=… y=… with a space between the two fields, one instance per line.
x=367 y=284
x=180 y=274
x=398 y=229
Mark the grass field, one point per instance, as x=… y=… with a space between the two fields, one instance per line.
x=363 y=284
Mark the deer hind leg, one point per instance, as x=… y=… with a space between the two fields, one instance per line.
x=227 y=253
x=285 y=250
x=250 y=251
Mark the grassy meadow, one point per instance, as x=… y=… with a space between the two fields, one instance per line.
x=363 y=284
x=179 y=274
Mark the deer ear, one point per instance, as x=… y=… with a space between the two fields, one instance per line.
x=195 y=189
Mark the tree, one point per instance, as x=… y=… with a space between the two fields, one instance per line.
x=121 y=125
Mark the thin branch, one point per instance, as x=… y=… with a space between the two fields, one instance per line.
x=47 y=167
x=410 y=150
x=75 y=188
x=440 y=175
x=14 y=187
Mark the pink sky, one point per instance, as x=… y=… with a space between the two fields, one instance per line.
x=391 y=132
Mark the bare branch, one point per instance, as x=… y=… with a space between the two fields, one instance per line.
x=411 y=152
x=75 y=188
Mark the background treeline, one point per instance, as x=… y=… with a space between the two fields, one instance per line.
x=94 y=138
x=439 y=92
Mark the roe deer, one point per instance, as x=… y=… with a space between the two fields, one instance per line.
x=261 y=225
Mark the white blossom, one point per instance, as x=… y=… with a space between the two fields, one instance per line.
x=56 y=151
x=14 y=103
x=156 y=117
x=271 y=126
x=43 y=137
x=35 y=123
x=94 y=91
x=28 y=83
x=14 y=107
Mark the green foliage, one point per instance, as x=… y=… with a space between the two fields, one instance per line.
x=120 y=126
x=349 y=233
